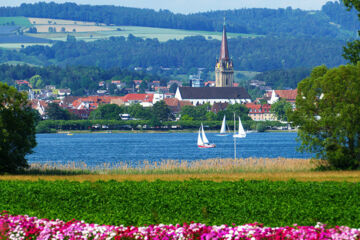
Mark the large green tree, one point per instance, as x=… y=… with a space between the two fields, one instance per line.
x=17 y=129
x=352 y=50
x=107 y=112
x=280 y=109
x=328 y=115
x=54 y=112
x=161 y=111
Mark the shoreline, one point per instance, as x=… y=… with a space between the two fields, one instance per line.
x=160 y=131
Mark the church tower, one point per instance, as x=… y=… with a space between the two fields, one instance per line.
x=224 y=71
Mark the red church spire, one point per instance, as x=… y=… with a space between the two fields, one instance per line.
x=224 y=52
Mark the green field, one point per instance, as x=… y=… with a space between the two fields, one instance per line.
x=20 y=21
x=170 y=202
x=162 y=34
x=20 y=45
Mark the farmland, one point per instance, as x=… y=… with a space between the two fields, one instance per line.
x=19 y=21
x=139 y=203
x=91 y=31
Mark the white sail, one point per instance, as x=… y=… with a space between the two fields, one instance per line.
x=199 y=140
x=241 y=133
x=204 y=138
x=241 y=129
x=223 y=126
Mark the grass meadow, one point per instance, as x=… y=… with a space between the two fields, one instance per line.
x=20 y=21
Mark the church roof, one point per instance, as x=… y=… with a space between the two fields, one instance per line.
x=214 y=93
x=224 y=52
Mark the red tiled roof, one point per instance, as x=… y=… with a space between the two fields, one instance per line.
x=287 y=94
x=235 y=84
x=138 y=97
x=258 y=108
x=93 y=99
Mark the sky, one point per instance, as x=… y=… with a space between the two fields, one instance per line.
x=190 y=6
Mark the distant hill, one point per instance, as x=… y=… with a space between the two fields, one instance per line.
x=332 y=21
x=258 y=54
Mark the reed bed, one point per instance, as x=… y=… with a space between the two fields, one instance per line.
x=273 y=169
x=217 y=165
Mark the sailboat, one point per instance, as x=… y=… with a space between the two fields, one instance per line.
x=223 y=128
x=241 y=132
x=202 y=141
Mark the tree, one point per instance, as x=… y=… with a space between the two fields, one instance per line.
x=280 y=109
x=36 y=81
x=107 y=112
x=143 y=86
x=54 y=112
x=17 y=134
x=328 y=115
x=161 y=111
x=352 y=50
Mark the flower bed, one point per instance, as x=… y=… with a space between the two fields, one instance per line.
x=25 y=227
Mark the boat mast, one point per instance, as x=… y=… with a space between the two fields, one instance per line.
x=234 y=138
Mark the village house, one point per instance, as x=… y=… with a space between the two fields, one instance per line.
x=274 y=96
x=260 y=112
x=175 y=105
x=144 y=99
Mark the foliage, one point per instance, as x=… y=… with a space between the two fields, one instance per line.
x=288 y=22
x=280 y=79
x=107 y=112
x=281 y=109
x=352 y=50
x=54 y=112
x=161 y=111
x=328 y=115
x=195 y=112
x=17 y=129
x=215 y=203
x=79 y=79
x=259 y=54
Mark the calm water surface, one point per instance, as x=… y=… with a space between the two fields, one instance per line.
x=133 y=148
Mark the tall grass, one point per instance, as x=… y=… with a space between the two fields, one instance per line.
x=217 y=165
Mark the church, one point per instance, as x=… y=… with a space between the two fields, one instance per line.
x=223 y=92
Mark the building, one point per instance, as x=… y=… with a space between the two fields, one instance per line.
x=224 y=71
x=288 y=95
x=260 y=112
x=198 y=96
x=224 y=92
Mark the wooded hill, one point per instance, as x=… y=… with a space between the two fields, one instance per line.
x=332 y=21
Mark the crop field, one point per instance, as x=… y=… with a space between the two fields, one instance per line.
x=90 y=31
x=171 y=202
x=20 y=21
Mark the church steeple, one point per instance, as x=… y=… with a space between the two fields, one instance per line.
x=224 y=51
x=224 y=73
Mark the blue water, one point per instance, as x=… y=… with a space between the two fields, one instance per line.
x=133 y=148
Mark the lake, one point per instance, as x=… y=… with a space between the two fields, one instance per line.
x=132 y=148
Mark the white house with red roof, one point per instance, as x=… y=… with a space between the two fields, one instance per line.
x=144 y=99
x=260 y=112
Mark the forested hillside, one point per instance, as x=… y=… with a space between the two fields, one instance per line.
x=80 y=80
x=288 y=22
x=259 y=54
x=280 y=79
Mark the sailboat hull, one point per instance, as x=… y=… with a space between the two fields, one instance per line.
x=207 y=146
x=222 y=135
x=239 y=135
